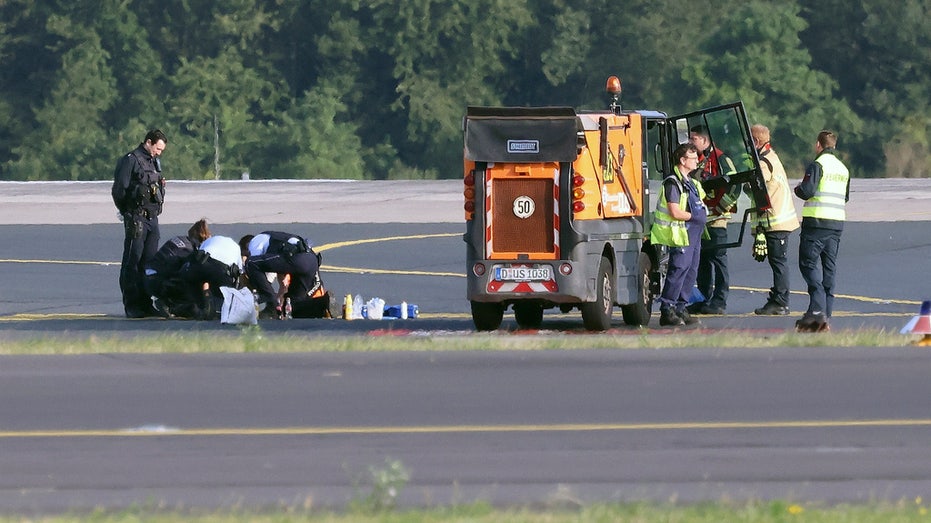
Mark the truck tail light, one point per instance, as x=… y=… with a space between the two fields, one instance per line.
x=469 y=194
x=578 y=193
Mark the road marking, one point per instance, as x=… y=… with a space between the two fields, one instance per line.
x=26 y=316
x=350 y=243
x=63 y=262
x=464 y=429
x=360 y=270
x=867 y=299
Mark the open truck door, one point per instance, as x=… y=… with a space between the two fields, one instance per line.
x=739 y=166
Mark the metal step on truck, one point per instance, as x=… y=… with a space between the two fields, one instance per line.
x=558 y=205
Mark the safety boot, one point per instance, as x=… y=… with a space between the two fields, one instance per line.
x=669 y=318
x=812 y=323
x=772 y=309
x=687 y=318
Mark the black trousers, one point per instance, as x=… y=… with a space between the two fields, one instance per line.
x=777 y=252
x=140 y=244
x=301 y=266
x=713 y=280
x=216 y=274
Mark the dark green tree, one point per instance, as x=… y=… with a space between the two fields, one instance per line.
x=69 y=139
x=443 y=56
x=755 y=55
x=314 y=139
x=221 y=109
x=880 y=54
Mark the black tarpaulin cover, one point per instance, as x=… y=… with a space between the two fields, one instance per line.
x=521 y=134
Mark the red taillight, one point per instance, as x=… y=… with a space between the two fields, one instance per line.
x=478 y=269
x=469 y=193
x=565 y=269
x=578 y=206
x=578 y=180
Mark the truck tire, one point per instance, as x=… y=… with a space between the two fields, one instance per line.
x=529 y=315
x=639 y=313
x=596 y=315
x=487 y=316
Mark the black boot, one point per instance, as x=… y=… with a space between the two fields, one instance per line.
x=669 y=318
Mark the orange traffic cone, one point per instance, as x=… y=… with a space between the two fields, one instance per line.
x=921 y=324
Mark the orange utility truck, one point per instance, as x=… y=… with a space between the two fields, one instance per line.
x=558 y=206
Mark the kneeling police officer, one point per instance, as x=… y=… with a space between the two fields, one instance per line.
x=280 y=253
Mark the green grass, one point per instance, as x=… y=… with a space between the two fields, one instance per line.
x=255 y=340
x=758 y=512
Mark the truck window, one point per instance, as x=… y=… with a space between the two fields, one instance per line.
x=654 y=150
x=727 y=131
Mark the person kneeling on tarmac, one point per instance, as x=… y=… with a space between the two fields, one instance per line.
x=284 y=254
x=163 y=271
x=217 y=263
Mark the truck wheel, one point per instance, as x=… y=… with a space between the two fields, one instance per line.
x=597 y=315
x=529 y=315
x=487 y=316
x=639 y=313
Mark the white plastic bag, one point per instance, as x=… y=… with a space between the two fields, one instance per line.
x=375 y=308
x=357 y=305
x=238 y=306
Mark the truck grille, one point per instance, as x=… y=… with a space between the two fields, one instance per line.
x=512 y=234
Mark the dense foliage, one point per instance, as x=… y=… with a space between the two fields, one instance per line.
x=375 y=89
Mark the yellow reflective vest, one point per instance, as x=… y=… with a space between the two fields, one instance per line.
x=830 y=199
x=667 y=230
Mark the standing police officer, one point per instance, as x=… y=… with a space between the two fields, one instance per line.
x=138 y=192
x=826 y=190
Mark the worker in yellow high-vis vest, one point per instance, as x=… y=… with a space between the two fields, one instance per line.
x=678 y=222
x=826 y=190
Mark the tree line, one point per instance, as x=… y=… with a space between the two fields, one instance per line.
x=376 y=89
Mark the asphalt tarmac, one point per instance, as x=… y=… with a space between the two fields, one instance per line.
x=63 y=265
x=539 y=427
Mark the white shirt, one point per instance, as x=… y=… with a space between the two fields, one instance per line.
x=259 y=244
x=224 y=249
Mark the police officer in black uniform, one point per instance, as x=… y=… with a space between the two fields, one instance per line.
x=281 y=253
x=138 y=192
x=163 y=272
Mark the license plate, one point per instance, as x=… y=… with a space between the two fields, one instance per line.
x=536 y=273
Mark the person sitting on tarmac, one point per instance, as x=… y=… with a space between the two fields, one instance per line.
x=217 y=263
x=162 y=272
x=315 y=304
x=280 y=253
